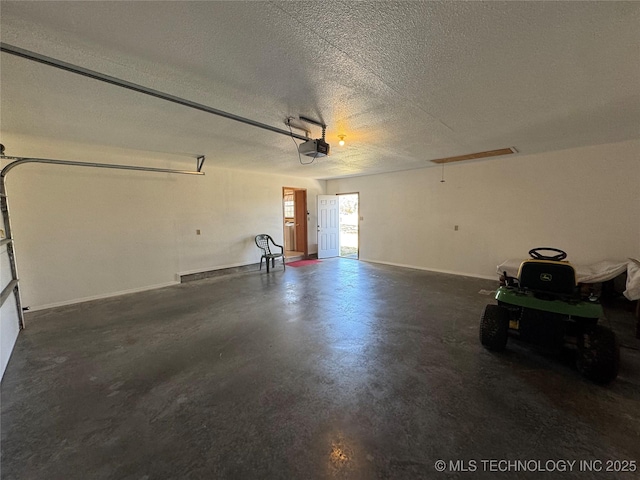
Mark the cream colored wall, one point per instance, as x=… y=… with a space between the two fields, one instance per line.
x=584 y=200
x=85 y=233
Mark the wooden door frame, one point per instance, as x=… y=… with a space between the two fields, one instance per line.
x=296 y=210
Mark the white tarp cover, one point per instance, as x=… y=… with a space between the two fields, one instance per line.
x=594 y=273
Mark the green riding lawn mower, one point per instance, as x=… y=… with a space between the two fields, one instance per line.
x=543 y=305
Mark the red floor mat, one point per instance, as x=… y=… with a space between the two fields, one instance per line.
x=302 y=263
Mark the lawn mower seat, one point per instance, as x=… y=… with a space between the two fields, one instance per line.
x=548 y=277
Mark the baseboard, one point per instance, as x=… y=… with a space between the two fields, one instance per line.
x=212 y=268
x=101 y=296
x=436 y=270
x=219 y=271
x=227 y=270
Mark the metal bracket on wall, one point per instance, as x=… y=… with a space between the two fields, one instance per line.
x=200 y=163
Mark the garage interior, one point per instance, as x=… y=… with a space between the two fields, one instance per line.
x=154 y=347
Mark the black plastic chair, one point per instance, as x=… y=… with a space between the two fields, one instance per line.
x=262 y=241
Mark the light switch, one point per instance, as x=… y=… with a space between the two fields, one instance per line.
x=456 y=228
x=198 y=231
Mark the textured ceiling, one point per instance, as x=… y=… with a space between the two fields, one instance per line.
x=406 y=82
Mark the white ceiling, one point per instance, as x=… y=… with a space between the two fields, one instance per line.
x=406 y=82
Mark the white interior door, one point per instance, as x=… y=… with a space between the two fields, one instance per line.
x=328 y=226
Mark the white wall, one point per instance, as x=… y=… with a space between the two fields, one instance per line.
x=584 y=200
x=83 y=233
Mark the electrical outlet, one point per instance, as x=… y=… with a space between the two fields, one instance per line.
x=198 y=232
x=455 y=228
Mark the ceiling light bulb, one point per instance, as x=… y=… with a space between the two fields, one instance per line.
x=341 y=142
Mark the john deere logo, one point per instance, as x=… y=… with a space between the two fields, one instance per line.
x=546 y=277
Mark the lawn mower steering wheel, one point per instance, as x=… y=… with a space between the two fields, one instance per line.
x=535 y=253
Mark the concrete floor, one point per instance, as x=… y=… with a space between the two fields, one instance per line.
x=341 y=369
